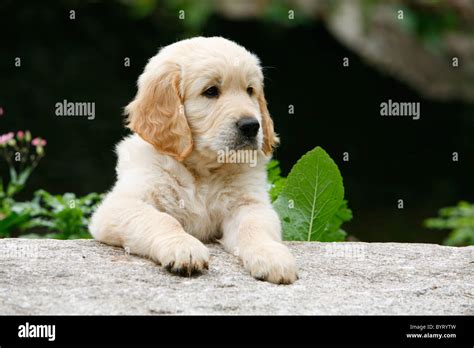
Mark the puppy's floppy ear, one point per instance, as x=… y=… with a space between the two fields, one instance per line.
x=157 y=112
x=270 y=140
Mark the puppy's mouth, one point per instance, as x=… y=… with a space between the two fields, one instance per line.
x=245 y=144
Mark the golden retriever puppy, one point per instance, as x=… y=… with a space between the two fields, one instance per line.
x=194 y=171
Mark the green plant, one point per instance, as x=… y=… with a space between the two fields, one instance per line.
x=430 y=25
x=55 y=216
x=458 y=219
x=276 y=181
x=62 y=216
x=310 y=202
x=22 y=155
x=11 y=222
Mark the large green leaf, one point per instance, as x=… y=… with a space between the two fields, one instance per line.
x=334 y=233
x=313 y=194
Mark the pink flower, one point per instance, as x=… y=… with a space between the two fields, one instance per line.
x=20 y=135
x=5 y=138
x=38 y=142
x=1 y=110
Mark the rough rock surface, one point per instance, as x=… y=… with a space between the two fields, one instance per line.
x=86 y=277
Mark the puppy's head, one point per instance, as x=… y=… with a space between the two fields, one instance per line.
x=202 y=95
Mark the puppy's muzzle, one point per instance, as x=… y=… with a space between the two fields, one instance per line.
x=248 y=127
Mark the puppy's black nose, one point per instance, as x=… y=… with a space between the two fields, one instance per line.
x=248 y=126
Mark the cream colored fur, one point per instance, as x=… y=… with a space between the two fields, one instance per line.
x=172 y=194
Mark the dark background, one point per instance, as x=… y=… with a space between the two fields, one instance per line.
x=336 y=108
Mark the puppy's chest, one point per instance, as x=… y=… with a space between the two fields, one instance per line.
x=200 y=206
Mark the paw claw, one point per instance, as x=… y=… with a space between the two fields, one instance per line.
x=169 y=266
x=272 y=263
x=185 y=258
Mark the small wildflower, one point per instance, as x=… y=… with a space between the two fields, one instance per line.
x=39 y=142
x=5 y=138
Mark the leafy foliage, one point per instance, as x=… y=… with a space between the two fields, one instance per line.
x=334 y=232
x=194 y=15
x=22 y=155
x=311 y=204
x=430 y=26
x=12 y=222
x=276 y=181
x=60 y=216
x=459 y=219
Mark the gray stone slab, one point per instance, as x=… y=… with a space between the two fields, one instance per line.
x=87 y=277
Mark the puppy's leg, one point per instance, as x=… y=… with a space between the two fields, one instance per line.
x=143 y=230
x=254 y=233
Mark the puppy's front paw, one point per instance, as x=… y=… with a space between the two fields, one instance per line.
x=184 y=256
x=271 y=262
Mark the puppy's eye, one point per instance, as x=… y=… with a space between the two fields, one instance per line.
x=250 y=91
x=211 y=92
